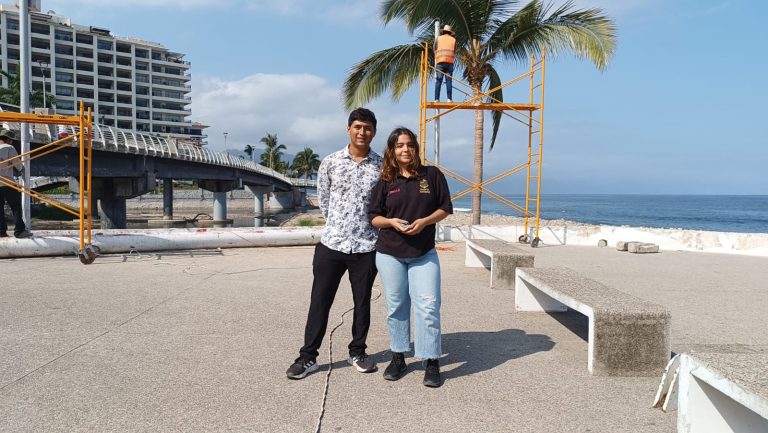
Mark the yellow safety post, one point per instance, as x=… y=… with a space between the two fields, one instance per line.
x=83 y=137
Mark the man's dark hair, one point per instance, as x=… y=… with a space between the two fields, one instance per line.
x=362 y=115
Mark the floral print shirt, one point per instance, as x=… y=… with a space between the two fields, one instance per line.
x=344 y=191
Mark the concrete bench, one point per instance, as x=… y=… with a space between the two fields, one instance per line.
x=722 y=393
x=498 y=256
x=628 y=336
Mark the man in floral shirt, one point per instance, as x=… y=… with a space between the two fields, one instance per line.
x=345 y=181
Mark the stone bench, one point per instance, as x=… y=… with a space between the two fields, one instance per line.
x=723 y=393
x=498 y=256
x=628 y=336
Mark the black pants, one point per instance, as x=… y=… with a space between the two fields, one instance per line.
x=13 y=198
x=328 y=266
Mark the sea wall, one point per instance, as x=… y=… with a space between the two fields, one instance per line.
x=195 y=201
x=572 y=233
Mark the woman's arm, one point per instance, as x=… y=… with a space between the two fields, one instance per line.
x=381 y=222
x=420 y=224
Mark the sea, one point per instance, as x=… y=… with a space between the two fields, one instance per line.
x=720 y=213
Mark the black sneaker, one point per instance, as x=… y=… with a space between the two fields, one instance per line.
x=24 y=234
x=432 y=377
x=396 y=369
x=3 y=235
x=301 y=368
x=363 y=363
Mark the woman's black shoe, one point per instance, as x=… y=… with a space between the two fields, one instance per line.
x=396 y=368
x=432 y=377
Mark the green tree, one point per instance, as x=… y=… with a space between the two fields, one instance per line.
x=273 y=154
x=306 y=162
x=249 y=151
x=12 y=94
x=489 y=33
x=282 y=167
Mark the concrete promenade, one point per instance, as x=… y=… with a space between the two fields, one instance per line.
x=197 y=342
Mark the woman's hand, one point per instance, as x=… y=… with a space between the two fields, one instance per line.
x=415 y=228
x=398 y=224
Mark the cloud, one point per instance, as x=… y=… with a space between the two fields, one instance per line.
x=303 y=109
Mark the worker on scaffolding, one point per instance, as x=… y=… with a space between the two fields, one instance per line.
x=8 y=194
x=445 y=55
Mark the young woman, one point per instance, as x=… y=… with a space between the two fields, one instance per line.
x=406 y=203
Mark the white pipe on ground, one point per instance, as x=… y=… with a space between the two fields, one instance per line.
x=64 y=243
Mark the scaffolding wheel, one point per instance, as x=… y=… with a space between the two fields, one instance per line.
x=87 y=255
x=535 y=242
x=523 y=239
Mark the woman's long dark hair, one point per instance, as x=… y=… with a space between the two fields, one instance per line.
x=391 y=168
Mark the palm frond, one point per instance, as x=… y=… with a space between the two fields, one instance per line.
x=494 y=82
x=587 y=33
x=395 y=68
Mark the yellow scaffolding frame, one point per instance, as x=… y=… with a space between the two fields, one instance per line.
x=83 y=138
x=522 y=113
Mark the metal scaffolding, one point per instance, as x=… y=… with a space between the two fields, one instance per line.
x=531 y=115
x=82 y=138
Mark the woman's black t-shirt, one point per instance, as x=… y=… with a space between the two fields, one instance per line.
x=409 y=199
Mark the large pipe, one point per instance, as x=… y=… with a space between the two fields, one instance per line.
x=66 y=243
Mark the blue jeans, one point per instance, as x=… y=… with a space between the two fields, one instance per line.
x=412 y=281
x=445 y=68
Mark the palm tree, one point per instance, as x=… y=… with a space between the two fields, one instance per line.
x=306 y=162
x=273 y=153
x=12 y=94
x=249 y=151
x=281 y=167
x=488 y=33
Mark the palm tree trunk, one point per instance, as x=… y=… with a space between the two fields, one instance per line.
x=477 y=167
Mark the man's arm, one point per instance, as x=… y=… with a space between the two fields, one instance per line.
x=9 y=152
x=323 y=187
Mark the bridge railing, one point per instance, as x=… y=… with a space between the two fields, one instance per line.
x=113 y=139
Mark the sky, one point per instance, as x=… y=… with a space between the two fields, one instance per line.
x=680 y=109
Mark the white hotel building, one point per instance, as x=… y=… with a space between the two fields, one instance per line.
x=129 y=83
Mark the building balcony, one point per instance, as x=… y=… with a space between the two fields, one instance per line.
x=168 y=122
x=183 y=64
x=176 y=99
x=169 y=84
x=183 y=111
x=168 y=75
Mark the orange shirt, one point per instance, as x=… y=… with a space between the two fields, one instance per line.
x=446 y=46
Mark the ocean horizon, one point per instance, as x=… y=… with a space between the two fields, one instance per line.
x=720 y=213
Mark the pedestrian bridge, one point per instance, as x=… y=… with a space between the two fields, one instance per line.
x=127 y=163
x=111 y=139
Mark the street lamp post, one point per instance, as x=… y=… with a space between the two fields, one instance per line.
x=43 y=68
